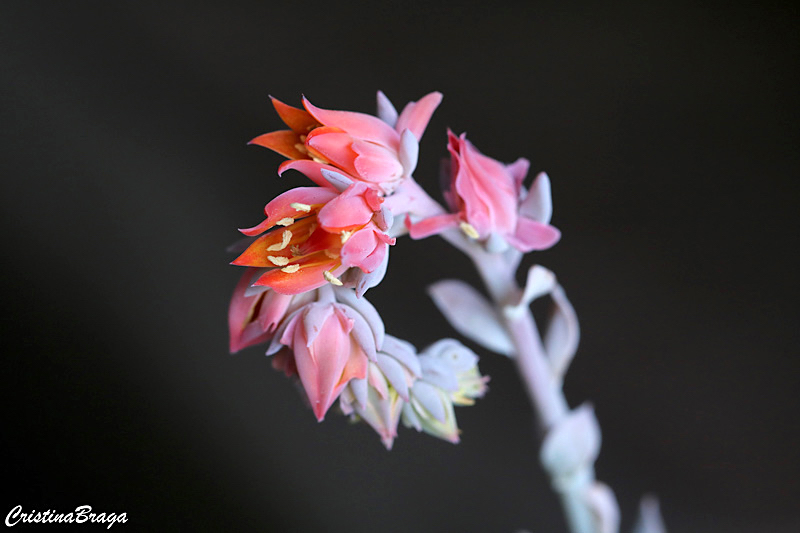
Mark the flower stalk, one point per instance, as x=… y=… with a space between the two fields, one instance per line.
x=321 y=247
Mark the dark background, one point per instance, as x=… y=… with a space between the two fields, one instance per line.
x=669 y=132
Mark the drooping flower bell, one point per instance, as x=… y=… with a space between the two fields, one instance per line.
x=379 y=398
x=328 y=343
x=450 y=377
x=489 y=203
x=314 y=234
x=378 y=151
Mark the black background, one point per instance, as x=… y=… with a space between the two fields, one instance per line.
x=669 y=132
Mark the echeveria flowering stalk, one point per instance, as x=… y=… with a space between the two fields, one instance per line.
x=320 y=248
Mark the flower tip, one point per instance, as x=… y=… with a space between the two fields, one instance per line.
x=435 y=97
x=388 y=442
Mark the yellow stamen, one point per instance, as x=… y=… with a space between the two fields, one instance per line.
x=277 y=260
x=285 y=222
x=332 y=279
x=300 y=148
x=300 y=207
x=285 y=238
x=291 y=269
x=469 y=230
x=345 y=235
x=295 y=249
x=330 y=255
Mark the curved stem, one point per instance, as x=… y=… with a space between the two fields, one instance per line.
x=498 y=272
x=544 y=390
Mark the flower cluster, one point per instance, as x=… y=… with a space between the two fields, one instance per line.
x=320 y=247
x=316 y=252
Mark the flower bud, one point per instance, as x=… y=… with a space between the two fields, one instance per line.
x=379 y=399
x=331 y=343
x=449 y=377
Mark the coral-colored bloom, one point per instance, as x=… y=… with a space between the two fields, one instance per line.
x=320 y=234
x=331 y=344
x=490 y=204
x=379 y=151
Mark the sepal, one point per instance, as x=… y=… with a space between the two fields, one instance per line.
x=572 y=445
x=563 y=333
x=471 y=315
x=603 y=507
x=649 y=519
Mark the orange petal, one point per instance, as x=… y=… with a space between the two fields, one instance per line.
x=257 y=254
x=299 y=120
x=285 y=142
x=309 y=276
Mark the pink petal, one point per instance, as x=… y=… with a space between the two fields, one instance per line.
x=358 y=125
x=311 y=169
x=273 y=309
x=533 y=235
x=364 y=249
x=314 y=319
x=375 y=163
x=335 y=146
x=431 y=226
x=416 y=115
x=320 y=364
x=258 y=229
x=281 y=206
x=519 y=171
x=241 y=312
x=488 y=191
x=347 y=211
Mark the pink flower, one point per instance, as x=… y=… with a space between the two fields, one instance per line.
x=489 y=203
x=332 y=344
x=316 y=235
x=379 y=151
